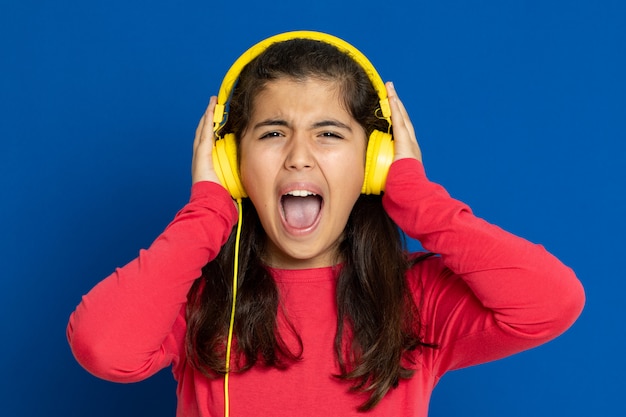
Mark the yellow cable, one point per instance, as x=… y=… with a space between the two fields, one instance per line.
x=232 y=313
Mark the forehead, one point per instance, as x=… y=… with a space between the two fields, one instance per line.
x=291 y=95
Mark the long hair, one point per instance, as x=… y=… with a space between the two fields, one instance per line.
x=378 y=323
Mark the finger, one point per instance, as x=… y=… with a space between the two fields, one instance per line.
x=204 y=131
x=202 y=162
x=401 y=115
x=199 y=128
x=405 y=139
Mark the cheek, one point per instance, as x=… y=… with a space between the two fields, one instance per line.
x=250 y=179
x=256 y=179
x=349 y=169
x=247 y=167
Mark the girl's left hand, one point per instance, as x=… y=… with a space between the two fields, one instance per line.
x=202 y=161
x=405 y=140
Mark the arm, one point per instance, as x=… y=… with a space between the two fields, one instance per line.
x=491 y=293
x=123 y=328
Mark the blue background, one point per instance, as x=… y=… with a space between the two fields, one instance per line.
x=519 y=107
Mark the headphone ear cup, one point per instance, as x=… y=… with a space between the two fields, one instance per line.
x=378 y=159
x=225 y=165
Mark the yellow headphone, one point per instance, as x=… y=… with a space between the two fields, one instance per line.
x=379 y=154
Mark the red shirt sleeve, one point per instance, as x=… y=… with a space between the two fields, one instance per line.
x=122 y=329
x=490 y=293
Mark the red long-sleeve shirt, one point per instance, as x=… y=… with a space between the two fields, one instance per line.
x=490 y=294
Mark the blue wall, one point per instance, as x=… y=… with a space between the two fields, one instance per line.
x=520 y=110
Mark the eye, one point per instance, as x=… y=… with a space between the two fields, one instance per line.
x=331 y=135
x=269 y=135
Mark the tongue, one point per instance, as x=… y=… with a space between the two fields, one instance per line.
x=301 y=212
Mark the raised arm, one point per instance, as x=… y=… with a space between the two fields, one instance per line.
x=122 y=329
x=491 y=293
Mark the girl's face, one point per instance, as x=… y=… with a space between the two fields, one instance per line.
x=302 y=165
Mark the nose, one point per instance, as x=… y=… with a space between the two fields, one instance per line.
x=299 y=154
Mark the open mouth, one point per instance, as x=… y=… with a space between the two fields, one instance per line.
x=301 y=208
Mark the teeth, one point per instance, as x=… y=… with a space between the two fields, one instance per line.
x=300 y=193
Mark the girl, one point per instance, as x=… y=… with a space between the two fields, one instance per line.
x=332 y=316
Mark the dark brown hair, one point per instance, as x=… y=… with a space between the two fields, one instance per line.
x=378 y=324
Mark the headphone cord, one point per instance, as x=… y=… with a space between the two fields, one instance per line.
x=232 y=312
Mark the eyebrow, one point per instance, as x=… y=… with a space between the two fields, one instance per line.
x=316 y=125
x=331 y=123
x=271 y=122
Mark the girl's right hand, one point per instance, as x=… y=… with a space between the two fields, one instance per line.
x=202 y=161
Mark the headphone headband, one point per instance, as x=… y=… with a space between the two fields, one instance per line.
x=380 y=149
x=233 y=73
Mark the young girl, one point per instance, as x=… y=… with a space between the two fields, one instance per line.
x=332 y=316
